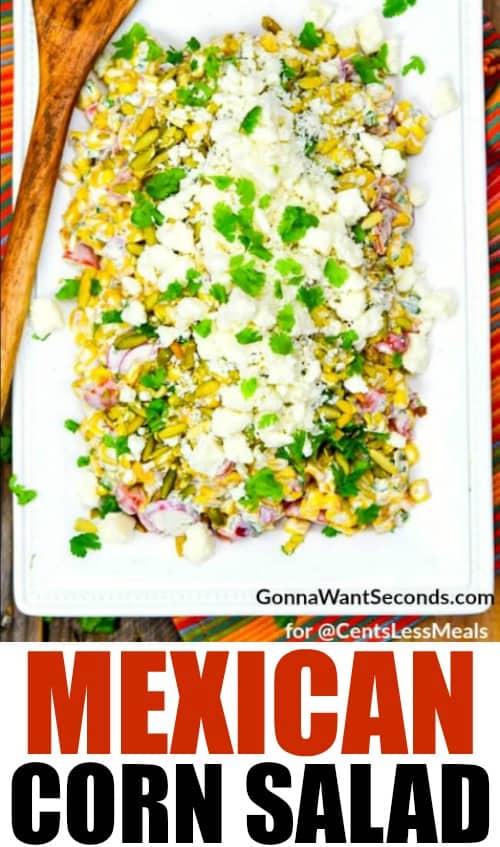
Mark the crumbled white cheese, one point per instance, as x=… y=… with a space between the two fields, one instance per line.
x=320 y=12
x=392 y=162
x=199 y=544
x=46 y=316
x=396 y=440
x=416 y=357
x=418 y=195
x=178 y=236
x=351 y=305
x=86 y=487
x=406 y=279
x=136 y=444
x=206 y=458
x=351 y=205
x=171 y=521
x=161 y=266
x=116 y=528
x=438 y=304
x=370 y=33
x=444 y=99
x=189 y=311
x=134 y=313
x=370 y=323
x=228 y=422
x=167 y=335
x=237 y=450
x=131 y=286
x=346 y=37
x=373 y=145
x=356 y=385
x=394 y=55
x=127 y=394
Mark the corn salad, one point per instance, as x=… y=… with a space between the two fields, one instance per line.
x=248 y=313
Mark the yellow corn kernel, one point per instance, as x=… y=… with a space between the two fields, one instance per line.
x=413 y=148
x=344 y=420
x=290 y=546
x=179 y=544
x=383 y=462
x=269 y=42
x=372 y=220
x=406 y=256
x=84 y=290
x=84 y=525
x=403 y=131
x=309 y=82
x=126 y=86
x=412 y=453
x=127 y=109
x=193 y=130
x=419 y=491
x=418 y=132
x=402 y=220
x=206 y=389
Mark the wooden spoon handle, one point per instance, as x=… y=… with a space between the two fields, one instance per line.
x=28 y=227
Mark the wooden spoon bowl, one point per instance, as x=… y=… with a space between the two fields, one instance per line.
x=71 y=35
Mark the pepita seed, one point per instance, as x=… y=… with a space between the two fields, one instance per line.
x=147 y=139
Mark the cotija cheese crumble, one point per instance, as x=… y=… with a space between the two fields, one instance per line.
x=249 y=314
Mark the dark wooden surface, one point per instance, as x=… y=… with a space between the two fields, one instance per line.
x=17 y=627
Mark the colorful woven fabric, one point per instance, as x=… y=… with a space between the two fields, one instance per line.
x=267 y=628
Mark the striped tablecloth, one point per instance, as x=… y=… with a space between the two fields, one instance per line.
x=267 y=628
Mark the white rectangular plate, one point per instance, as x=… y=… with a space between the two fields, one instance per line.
x=448 y=543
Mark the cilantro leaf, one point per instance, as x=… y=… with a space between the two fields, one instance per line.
x=222 y=182
x=359 y=234
x=335 y=273
x=175 y=57
x=356 y=366
x=263 y=485
x=348 y=338
x=369 y=515
x=154 y=50
x=119 y=444
x=108 y=505
x=329 y=532
x=174 y=291
x=128 y=42
x=111 y=317
x=288 y=267
x=193 y=44
x=295 y=223
x=22 y=494
x=265 y=201
x=287 y=75
x=219 y=292
x=246 y=191
x=311 y=297
x=5 y=444
x=310 y=38
x=81 y=544
x=248 y=279
x=286 y=318
x=165 y=184
x=416 y=63
x=392 y=8
x=368 y=67
x=72 y=426
x=83 y=461
x=248 y=336
x=69 y=290
x=346 y=484
x=294 y=452
x=281 y=343
x=248 y=387
x=155 y=414
x=198 y=94
x=251 y=120
x=154 y=379
x=203 y=328
x=268 y=420
x=225 y=221
x=145 y=213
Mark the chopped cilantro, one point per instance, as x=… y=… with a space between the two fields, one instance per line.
x=310 y=38
x=268 y=420
x=5 y=444
x=83 y=461
x=73 y=426
x=203 y=328
x=416 y=63
x=346 y=484
x=335 y=273
x=294 y=452
x=193 y=44
x=278 y=290
x=111 y=317
x=145 y=213
x=287 y=74
x=119 y=444
x=392 y=8
x=330 y=532
x=246 y=191
x=69 y=289
x=251 y=119
x=173 y=292
x=368 y=515
x=397 y=360
x=154 y=50
x=248 y=387
x=198 y=94
x=287 y=267
x=311 y=297
x=281 y=343
x=248 y=279
x=22 y=494
x=225 y=221
x=219 y=292
x=175 y=57
x=368 y=67
x=155 y=414
x=286 y=318
x=128 y=42
x=248 y=336
x=265 y=201
x=165 y=184
x=212 y=66
x=310 y=146
x=295 y=223
x=356 y=366
x=222 y=182
x=348 y=338
x=107 y=505
x=359 y=234
x=263 y=485
x=154 y=379
x=81 y=544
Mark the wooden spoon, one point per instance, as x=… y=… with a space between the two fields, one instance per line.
x=71 y=35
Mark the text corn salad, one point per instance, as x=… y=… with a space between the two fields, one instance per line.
x=248 y=310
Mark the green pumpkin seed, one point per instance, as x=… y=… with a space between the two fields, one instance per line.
x=168 y=483
x=146 y=140
x=140 y=162
x=131 y=339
